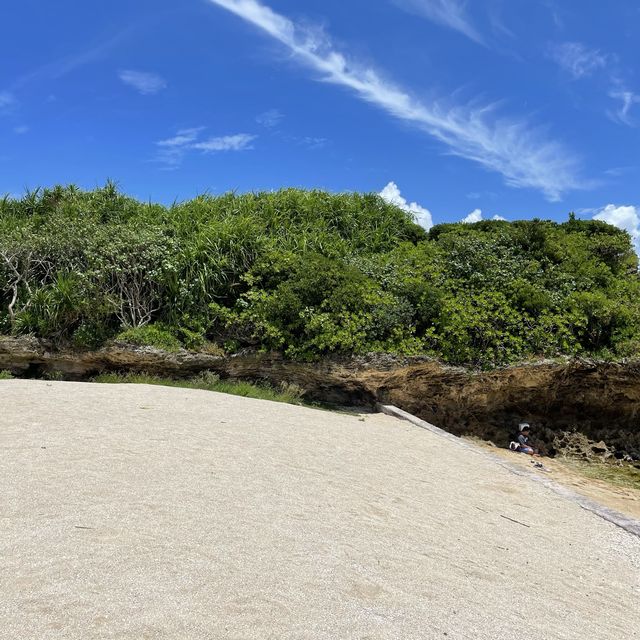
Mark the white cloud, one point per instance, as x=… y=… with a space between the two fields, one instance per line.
x=525 y=156
x=616 y=172
x=557 y=13
x=142 y=81
x=270 y=119
x=476 y=216
x=183 y=137
x=580 y=61
x=577 y=59
x=313 y=142
x=449 y=13
x=478 y=195
x=173 y=150
x=61 y=67
x=392 y=195
x=624 y=217
x=7 y=100
x=622 y=114
x=238 y=142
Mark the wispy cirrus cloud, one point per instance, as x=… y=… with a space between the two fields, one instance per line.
x=617 y=172
x=448 y=13
x=628 y=99
x=7 y=101
x=171 y=151
x=581 y=62
x=313 y=142
x=556 y=12
x=479 y=195
x=270 y=119
x=142 y=81
x=183 y=137
x=524 y=156
x=237 y=142
x=577 y=59
x=61 y=67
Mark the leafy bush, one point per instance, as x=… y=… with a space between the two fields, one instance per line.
x=150 y=336
x=310 y=273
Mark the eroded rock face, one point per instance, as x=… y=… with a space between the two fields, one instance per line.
x=599 y=400
x=576 y=445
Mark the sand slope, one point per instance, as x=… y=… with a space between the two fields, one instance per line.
x=136 y=512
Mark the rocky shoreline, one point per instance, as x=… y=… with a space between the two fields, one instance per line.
x=600 y=401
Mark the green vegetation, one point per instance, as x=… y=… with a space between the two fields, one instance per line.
x=208 y=381
x=309 y=273
x=152 y=335
x=6 y=375
x=622 y=475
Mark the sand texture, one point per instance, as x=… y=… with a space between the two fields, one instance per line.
x=137 y=512
x=624 y=499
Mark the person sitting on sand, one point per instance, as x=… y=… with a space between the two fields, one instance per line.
x=522 y=441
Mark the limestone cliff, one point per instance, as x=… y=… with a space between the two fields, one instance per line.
x=600 y=400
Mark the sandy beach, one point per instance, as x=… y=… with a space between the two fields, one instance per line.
x=143 y=512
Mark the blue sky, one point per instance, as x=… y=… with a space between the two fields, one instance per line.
x=512 y=108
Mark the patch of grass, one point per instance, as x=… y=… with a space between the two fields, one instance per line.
x=624 y=475
x=6 y=375
x=289 y=393
x=151 y=335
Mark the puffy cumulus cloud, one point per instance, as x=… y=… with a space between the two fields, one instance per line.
x=391 y=194
x=624 y=217
x=476 y=216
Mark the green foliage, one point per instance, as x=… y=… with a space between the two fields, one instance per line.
x=153 y=335
x=619 y=475
x=5 y=375
x=208 y=381
x=310 y=273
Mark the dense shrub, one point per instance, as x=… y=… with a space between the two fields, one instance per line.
x=311 y=273
x=153 y=335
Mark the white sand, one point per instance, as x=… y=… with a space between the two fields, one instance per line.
x=137 y=512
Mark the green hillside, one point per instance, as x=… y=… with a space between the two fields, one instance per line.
x=310 y=273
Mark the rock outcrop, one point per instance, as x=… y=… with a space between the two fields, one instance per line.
x=600 y=400
x=597 y=399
